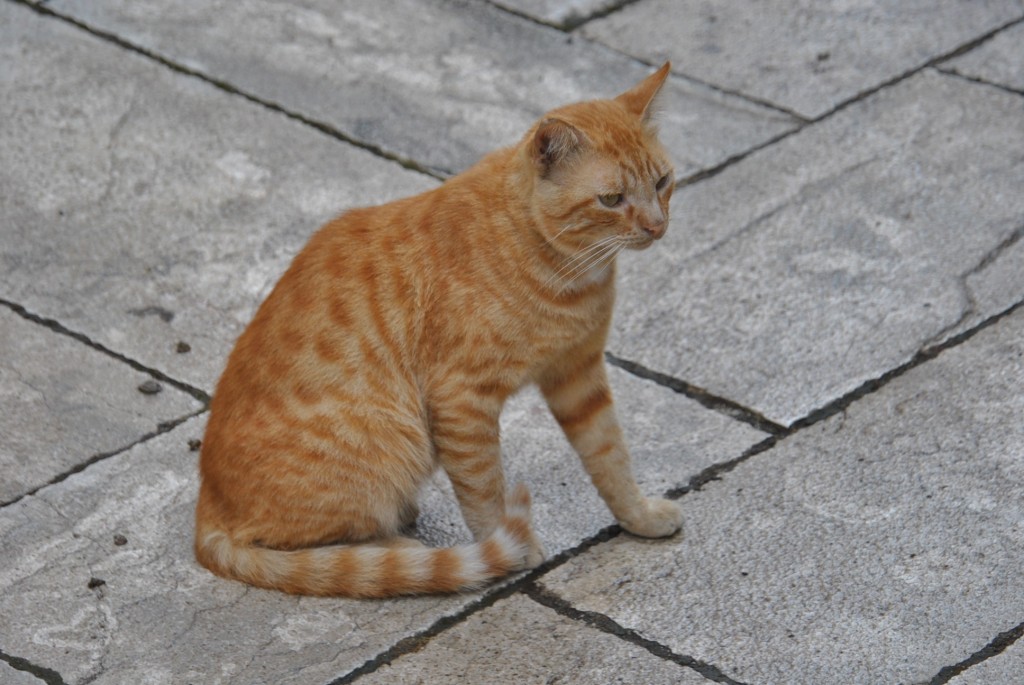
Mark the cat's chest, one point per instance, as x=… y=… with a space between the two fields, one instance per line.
x=530 y=345
x=508 y=329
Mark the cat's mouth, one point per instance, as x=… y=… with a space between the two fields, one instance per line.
x=640 y=242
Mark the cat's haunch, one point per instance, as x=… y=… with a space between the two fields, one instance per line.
x=390 y=345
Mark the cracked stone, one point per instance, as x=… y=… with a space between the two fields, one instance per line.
x=233 y=190
x=855 y=233
x=996 y=284
x=561 y=13
x=360 y=68
x=880 y=545
x=1004 y=667
x=64 y=403
x=518 y=640
x=996 y=61
x=772 y=50
x=12 y=676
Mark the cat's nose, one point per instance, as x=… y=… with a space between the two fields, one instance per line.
x=655 y=229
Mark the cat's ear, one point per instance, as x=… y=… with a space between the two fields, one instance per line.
x=554 y=142
x=640 y=99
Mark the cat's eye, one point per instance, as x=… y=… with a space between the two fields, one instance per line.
x=611 y=199
x=662 y=182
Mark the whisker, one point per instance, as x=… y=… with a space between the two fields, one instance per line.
x=603 y=258
x=586 y=253
x=571 y=262
x=610 y=248
x=608 y=253
x=552 y=239
x=595 y=257
x=575 y=261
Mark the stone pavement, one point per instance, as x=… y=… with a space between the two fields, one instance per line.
x=823 y=360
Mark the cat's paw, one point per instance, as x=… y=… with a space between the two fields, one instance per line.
x=659 y=518
x=535 y=554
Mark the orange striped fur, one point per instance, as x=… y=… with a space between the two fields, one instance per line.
x=390 y=345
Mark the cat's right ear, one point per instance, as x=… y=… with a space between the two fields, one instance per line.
x=554 y=142
x=641 y=98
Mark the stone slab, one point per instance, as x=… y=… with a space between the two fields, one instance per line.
x=62 y=402
x=806 y=56
x=439 y=83
x=994 y=284
x=561 y=13
x=1005 y=667
x=877 y=546
x=159 y=613
x=999 y=60
x=12 y=676
x=144 y=208
x=519 y=641
x=833 y=256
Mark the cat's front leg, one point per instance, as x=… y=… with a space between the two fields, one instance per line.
x=466 y=439
x=578 y=394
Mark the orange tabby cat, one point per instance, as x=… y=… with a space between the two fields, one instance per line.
x=391 y=343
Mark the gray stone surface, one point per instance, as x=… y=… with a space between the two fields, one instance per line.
x=64 y=402
x=877 y=546
x=12 y=676
x=441 y=83
x=994 y=284
x=561 y=13
x=836 y=254
x=804 y=55
x=519 y=641
x=997 y=60
x=1006 y=667
x=143 y=208
x=147 y=495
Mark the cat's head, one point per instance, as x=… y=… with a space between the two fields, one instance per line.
x=603 y=181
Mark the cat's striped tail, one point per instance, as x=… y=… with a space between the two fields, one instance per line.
x=400 y=566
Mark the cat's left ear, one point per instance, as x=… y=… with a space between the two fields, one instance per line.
x=555 y=141
x=640 y=98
